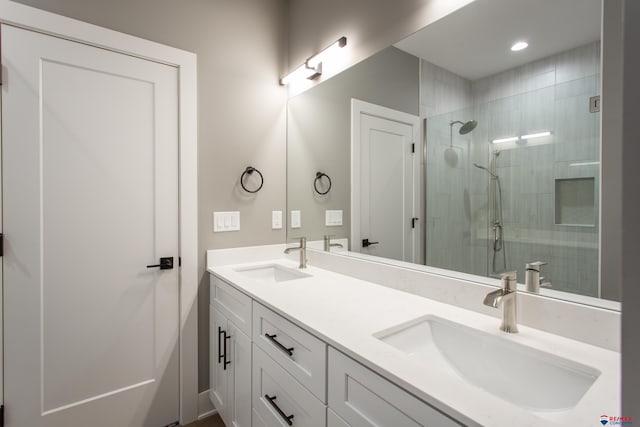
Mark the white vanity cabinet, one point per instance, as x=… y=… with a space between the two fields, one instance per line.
x=268 y=372
x=362 y=398
x=230 y=360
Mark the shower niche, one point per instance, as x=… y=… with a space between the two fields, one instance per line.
x=575 y=202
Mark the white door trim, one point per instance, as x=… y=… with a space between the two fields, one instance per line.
x=48 y=23
x=359 y=107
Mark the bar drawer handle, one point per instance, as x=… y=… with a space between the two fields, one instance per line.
x=275 y=406
x=273 y=339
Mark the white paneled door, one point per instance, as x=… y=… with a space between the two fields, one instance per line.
x=386 y=173
x=90 y=165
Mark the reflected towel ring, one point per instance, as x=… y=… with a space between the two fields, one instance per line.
x=248 y=171
x=319 y=176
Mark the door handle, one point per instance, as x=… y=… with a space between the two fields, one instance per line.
x=166 y=263
x=366 y=242
x=225 y=361
x=278 y=344
x=220 y=355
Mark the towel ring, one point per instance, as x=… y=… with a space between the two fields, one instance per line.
x=248 y=171
x=319 y=176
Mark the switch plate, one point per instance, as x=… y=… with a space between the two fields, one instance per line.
x=276 y=220
x=226 y=221
x=333 y=218
x=296 y=221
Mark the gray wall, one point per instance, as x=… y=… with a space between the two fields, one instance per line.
x=241 y=48
x=631 y=213
x=319 y=134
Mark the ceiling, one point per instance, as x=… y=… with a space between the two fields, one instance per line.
x=475 y=41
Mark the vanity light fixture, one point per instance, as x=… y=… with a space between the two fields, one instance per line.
x=501 y=140
x=300 y=73
x=327 y=52
x=519 y=46
x=536 y=135
x=312 y=67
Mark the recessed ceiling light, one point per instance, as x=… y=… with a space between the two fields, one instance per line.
x=519 y=46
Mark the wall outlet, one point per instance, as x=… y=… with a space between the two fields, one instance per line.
x=226 y=221
x=276 y=220
x=296 y=221
x=332 y=218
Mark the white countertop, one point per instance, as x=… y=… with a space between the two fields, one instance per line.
x=345 y=312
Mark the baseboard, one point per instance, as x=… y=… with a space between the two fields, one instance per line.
x=205 y=407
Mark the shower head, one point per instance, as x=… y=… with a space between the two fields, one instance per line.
x=485 y=169
x=466 y=127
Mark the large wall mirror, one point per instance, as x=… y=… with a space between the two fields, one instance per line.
x=465 y=155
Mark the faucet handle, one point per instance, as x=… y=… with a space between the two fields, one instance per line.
x=535 y=265
x=505 y=274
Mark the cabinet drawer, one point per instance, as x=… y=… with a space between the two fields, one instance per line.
x=277 y=395
x=232 y=303
x=363 y=398
x=297 y=351
x=333 y=420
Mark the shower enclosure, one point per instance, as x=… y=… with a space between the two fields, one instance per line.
x=519 y=186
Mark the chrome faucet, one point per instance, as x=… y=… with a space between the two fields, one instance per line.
x=303 y=252
x=328 y=245
x=506 y=296
x=533 y=281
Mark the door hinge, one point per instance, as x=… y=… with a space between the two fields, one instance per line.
x=1 y=244
x=2 y=416
x=413 y=222
x=413 y=147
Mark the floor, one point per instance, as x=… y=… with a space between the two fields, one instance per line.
x=212 y=421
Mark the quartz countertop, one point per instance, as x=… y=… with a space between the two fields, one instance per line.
x=346 y=313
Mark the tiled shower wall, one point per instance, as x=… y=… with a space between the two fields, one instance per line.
x=551 y=94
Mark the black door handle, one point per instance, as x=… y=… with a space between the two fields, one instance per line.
x=220 y=355
x=166 y=263
x=225 y=361
x=366 y=242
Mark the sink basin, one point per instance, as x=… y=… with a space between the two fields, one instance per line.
x=527 y=377
x=271 y=273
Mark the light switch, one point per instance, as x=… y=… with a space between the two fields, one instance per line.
x=276 y=220
x=226 y=221
x=295 y=219
x=333 y=218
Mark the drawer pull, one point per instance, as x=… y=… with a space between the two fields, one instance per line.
x=275 y=406
x=273 y=339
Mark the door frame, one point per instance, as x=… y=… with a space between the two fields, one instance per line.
x=186 y=62
x=358 y=108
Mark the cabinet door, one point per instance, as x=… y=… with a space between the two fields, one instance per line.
x=239 y=372
x=365 y=399
x=217 y=374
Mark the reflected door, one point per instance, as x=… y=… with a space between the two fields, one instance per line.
x=90 y=155
x=387 y=174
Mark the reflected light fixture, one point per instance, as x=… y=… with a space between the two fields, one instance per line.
x=536 y=135
x=519 y=46
x=312 y=67
x=501 y=140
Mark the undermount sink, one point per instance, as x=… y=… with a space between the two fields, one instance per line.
x=524 y=376
x=271 y=273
